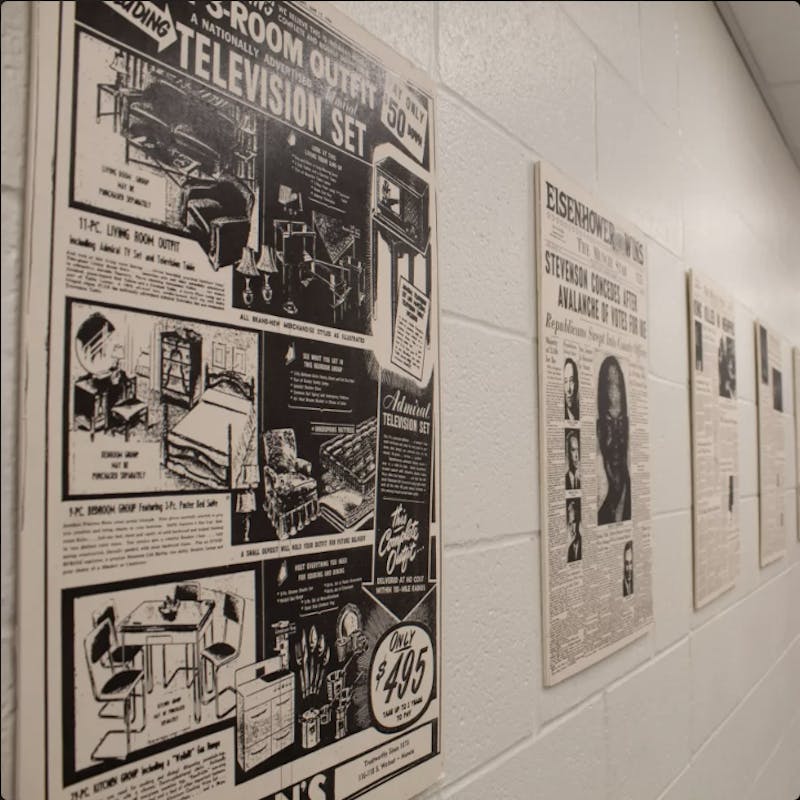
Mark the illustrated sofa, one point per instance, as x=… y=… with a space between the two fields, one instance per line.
x=165 y=118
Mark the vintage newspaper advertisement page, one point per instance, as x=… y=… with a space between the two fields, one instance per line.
x=230 y=556
x=715 y=439
x=796 y=363
x=594 y=427
x=771 y=445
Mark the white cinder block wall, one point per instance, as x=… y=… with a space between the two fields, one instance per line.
x=650 y=106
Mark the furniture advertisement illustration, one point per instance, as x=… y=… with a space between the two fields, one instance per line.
x=227 y=468
x=311 y=270
x=312 y=689
x=157 y=403
x=312 y=261
x=401 y=265
x=154 y=663
x=317 y=445
x=154 y=147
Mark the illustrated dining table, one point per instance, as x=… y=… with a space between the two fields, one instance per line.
x=148 y=627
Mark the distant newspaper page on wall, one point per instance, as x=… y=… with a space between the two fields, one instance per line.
x=230 y=561
x=772 y=453
x=715 y=439
x=594 y=427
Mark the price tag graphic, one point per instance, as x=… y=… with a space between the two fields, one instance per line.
x=401 y=677
x=404 y=114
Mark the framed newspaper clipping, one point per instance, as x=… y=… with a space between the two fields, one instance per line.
x=230 y=548
x=772 y=454
x=715 y=439
x=594 y=427
x=771 y=445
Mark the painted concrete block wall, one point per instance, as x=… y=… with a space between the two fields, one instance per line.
x=650 y=106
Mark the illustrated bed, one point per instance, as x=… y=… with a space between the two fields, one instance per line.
x=209 y=444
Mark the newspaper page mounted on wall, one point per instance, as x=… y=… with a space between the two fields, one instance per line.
x=715 y=439
x=594 y=427
x=796 y=364
x=230 y=551
x=771 y=445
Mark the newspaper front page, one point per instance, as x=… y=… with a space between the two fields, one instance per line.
x=771 y=445
x=594 y=428
x=230 y=551
x=715 y=439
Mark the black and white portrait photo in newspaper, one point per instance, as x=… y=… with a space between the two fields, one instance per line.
x=572 y=446
x=613 y=442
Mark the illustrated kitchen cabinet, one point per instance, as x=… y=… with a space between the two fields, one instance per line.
x=181 y=365
x=264 y=712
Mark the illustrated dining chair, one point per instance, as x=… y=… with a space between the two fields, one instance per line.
x=222 y=652
x=119 y=656
x=110 y=686
x=190 y=592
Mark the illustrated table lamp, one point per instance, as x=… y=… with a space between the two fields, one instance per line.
x=247 y=267
x=266 y=266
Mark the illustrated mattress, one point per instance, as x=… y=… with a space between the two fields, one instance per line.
x=350 y=457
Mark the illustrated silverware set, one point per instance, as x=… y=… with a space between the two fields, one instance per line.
x=311 y=655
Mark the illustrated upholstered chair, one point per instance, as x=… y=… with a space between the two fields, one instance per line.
x=216 y=212
x=290 y=499
x=110 y=686
x=223 y=651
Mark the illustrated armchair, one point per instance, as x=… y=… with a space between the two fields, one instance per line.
x=113 y=687
x=291 y=499
x=217 y=214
